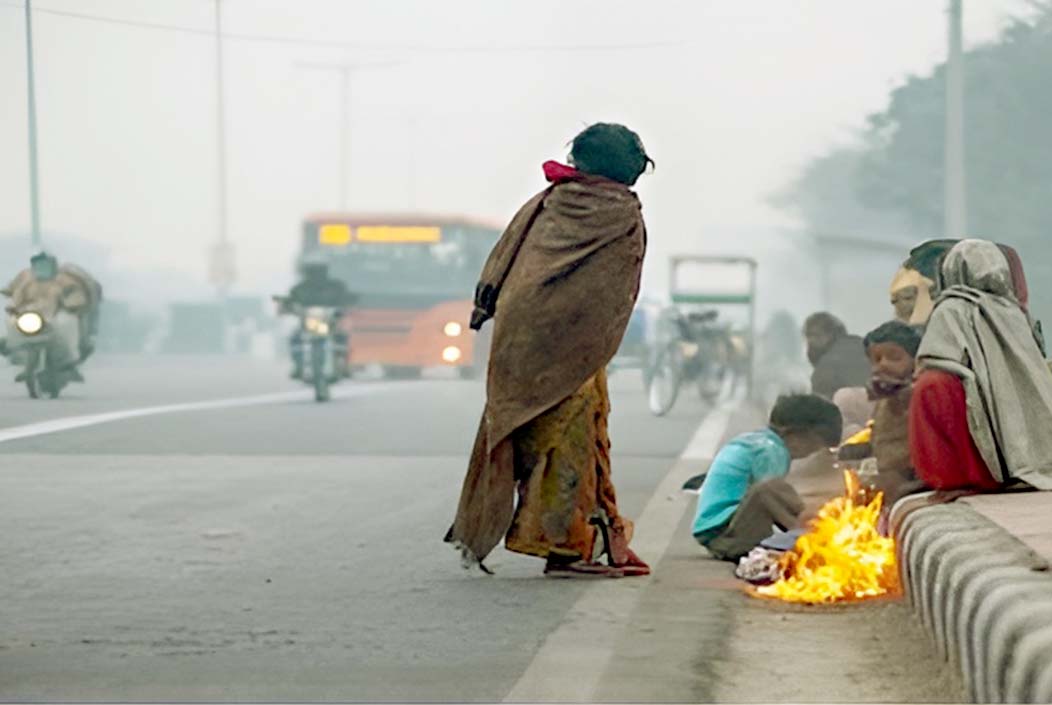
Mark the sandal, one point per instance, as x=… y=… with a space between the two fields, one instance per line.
x=634 y=565
x=618 y=554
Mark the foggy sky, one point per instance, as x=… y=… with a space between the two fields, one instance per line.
x=744 y=94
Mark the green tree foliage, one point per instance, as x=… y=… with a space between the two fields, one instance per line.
x=1008 y=141
x=896 y=169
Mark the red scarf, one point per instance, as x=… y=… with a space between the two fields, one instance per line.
x=558 y=173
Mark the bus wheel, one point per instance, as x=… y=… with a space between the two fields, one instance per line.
x=402 y=372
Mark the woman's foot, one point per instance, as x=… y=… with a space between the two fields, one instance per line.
x=634 y=565
x=621 y=556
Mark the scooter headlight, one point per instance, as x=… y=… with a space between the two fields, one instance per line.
x=29 y=323
x=318 y=326
x=689 y=350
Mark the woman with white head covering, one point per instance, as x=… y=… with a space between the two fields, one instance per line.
x=981 y=413
x=910 y=295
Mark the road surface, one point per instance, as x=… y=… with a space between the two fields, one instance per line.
x=183 y=529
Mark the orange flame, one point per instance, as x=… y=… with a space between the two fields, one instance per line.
x=842 y=556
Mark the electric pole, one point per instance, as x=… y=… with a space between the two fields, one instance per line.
x=34 y=169
x=222 y=273
x=346 y=72
x=411 y=166
x=955 y=198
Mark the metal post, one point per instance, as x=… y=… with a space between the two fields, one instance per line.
x=411 y=165
x=346 y=72
x=34 y=169
x=220 y=136
x=221 y=264
x=955 y=205
x=345 y=128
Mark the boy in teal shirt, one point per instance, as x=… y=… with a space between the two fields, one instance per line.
x=743 y=494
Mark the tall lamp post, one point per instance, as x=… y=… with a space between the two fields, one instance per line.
x=346 y=72
x=34 y=169
x=221 y=265
x=955 y=199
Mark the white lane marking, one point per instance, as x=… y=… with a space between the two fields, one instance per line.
x=69 y=423
x=572 y=660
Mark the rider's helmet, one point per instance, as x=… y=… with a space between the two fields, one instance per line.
x=44 y=266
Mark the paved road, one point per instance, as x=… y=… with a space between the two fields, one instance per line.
x=282 y=550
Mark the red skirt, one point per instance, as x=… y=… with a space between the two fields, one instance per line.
x=941 y=446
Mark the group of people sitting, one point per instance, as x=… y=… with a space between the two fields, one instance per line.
x=956 y=392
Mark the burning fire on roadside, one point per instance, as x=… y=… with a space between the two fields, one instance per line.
x=842 y=557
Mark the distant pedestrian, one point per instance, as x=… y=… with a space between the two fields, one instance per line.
x=981 y=412
x=744 y=494
x=838 y=358
x=560 y=285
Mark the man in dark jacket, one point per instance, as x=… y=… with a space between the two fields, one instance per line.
x=839 y=359
x=317 y=288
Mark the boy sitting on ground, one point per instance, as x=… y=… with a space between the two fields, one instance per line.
x=744 y=493
x=892 y=349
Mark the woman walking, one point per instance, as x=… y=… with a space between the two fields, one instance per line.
x=560 y=286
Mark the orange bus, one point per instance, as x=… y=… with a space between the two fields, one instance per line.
x=415 y=276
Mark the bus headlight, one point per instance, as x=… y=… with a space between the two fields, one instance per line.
x=453 y=329
x=451 y=354
x=29 y=323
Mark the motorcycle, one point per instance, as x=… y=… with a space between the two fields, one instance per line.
x=689 y=349
x=319 y=345
x=44 y=347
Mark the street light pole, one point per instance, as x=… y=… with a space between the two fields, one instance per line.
x=411 y=167
x=955 y=203
x=346 y=72
x=345 y=129
x=222 y=279
x=34 y=169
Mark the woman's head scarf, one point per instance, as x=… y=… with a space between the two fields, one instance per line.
x=979 y=332
x=907 y=277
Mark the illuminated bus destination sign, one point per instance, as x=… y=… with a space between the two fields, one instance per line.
x=387 y=233
x=334 y=234
x=337 y=234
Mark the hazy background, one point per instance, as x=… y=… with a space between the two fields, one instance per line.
x=732 y=98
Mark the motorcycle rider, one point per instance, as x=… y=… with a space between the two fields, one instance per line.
x=49 y=288
x=317 y=288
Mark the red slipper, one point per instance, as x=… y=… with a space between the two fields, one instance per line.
x=633 y=565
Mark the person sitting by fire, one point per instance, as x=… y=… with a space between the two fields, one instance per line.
x=892 y=349
x=837 y=357
x=744 y=492
x=981 y=409
x=911 y=296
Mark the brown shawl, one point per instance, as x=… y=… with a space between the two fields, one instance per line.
x=560 y=284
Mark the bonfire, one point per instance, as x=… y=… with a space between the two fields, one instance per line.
x=842 y=557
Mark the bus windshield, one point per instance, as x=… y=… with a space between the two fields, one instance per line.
x=446 y=268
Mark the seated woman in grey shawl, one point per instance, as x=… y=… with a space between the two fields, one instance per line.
x=981 y=411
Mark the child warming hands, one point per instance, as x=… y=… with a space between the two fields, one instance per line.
x=744 y=493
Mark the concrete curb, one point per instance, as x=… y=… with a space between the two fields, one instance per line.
x=983 y=596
